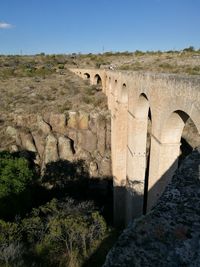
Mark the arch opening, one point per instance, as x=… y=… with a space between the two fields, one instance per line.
x=98 y=82
x=180 y=129
x=190 y=139
x=168 y=151
x=86 y=76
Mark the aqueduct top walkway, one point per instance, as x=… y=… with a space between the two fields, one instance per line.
x=168 y=100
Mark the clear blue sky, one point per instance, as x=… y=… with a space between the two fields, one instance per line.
x=65 y=26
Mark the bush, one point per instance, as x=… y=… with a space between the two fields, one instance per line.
x=15 y=181
x=15 y=174
x=189 y=49
x=63 y=231
x=11 y=248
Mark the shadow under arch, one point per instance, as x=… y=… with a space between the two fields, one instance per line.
x=165 y=154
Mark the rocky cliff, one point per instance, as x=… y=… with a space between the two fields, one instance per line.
x=68 y=136
x=169 y=235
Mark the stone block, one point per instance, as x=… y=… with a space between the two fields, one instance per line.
x=83 y=120
x=27 y=141
x=58 y=123
x=87 y=140
x=39 y=140
x=73 y=120
x=43 y=126
x=65 y=148
x=51 y=150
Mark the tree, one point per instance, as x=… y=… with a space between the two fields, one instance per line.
x=15 y=174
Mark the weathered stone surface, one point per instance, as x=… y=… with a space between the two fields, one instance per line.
x=84 y=141
x=108 y=134
x=83 y=120
x=87 y=140
x=73 y=135
x=39 y=140
x=83 y=155
x=12 y=132
x=25 y=120
x=101 y=134
x=58 y=123
x=51 y=149
x=169 y=235
x=93 y=121
x=105 y=167
x=43 y=126
x=46 y=117
x=93 y=169
x=27 y=141
x=73 y=120
x=65 y=149
x=14 y=148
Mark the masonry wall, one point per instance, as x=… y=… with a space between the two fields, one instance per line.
x=171 y=100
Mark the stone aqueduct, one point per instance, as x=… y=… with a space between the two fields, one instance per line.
x=168 y=100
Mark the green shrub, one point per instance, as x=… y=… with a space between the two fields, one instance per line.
x=63 y=231
x=189 y=49
x=15 y=175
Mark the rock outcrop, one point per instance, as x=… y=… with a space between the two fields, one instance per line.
x=169 y=235
x=72 y=136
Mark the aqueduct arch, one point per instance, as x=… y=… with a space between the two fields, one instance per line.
x=98 y=81
x=136 y=157
x=86 y=76
x=165 y=152
x=169 y=100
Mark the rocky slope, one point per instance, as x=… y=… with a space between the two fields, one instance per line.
x=169 y=235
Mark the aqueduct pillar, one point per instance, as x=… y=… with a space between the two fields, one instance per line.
x=136 y=157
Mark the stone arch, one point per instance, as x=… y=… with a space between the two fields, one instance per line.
x=173 y=132
x=173 y=127
x=98 y=82
x=86 y=76
x=165 y=154
x=137 y=158
x=142 y=107
x=97 y=79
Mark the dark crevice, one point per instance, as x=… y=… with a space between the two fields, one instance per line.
x=72 y=146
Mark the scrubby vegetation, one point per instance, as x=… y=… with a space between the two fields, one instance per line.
x=64 y=231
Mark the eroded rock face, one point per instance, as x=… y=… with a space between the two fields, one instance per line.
x=83 y=120
x=51 y=149
x=43 y=126
x=101 y=135
x=65 y=148
x=27 y=141
x=87 y=140
x=72 y=121
x=58 y=123
x=76 y=136
x=39 y=139
x=169 y=235
x=93 y=169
